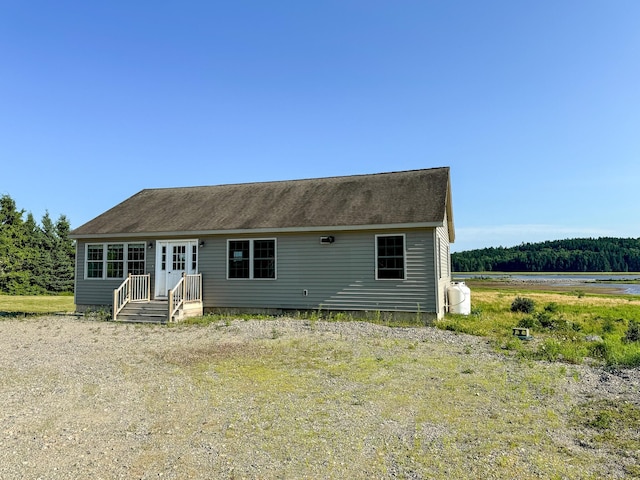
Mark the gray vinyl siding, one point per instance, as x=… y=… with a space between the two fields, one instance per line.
x=338 y=276
x=98 y=291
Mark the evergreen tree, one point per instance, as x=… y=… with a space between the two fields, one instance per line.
x=14 y=277
x=64 y=255
x=573 y=255
x=34 y=259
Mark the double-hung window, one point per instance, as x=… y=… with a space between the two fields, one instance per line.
x=95 y=261
x=135 y=258
x=390 y=257
x=114 y=260
x=251 y=258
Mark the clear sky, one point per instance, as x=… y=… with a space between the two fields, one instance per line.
x=535 y=105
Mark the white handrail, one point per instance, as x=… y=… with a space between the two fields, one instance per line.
x=140 y=286
x=187 y=290
x=134 y=288
x=193 y=288
x=176 y=297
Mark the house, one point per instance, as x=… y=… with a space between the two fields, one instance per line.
x=376 y=242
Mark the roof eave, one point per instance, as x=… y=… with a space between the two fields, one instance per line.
x=202 y=233
x=450 y=224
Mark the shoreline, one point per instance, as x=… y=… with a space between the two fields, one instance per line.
x=553 y=285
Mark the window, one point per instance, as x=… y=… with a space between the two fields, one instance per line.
x=94 y=261
x=252 y=259
x=239 y=259
x=115 y=260
x=179 y=259
x=390 y=257
x=194 y=258
x=264 y=256
x=135 y=258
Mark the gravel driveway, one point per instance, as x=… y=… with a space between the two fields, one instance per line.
x=86 y=399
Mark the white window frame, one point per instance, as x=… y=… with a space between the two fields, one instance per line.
x=105 y=261
x=404 y=256
x=251 y=257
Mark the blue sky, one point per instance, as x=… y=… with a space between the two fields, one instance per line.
x=535 y=105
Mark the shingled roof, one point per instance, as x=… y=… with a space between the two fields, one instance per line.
x=420 y=197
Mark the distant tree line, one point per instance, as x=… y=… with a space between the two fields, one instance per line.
x=34 y=259
x=604 y=254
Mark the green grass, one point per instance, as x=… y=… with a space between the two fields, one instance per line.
x=35 y=304
x=564 y=326
x=367 y=408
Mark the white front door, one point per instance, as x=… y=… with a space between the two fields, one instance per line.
x=177 y=264
x=173 y=259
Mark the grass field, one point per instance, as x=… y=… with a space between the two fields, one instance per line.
x=566 y=325
x=32 y=304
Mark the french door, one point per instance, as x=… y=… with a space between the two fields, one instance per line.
x=173 y=259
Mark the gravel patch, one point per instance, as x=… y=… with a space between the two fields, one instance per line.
x=85 y=399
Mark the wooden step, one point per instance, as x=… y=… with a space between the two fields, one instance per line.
x=155 y=311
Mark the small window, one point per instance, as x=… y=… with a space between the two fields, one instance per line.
x=115 y=261
x=179 y=259
x=239 y=259
x=252 y=259
x=95 y=254
x=264 y=259
x=135 y=258
x=390 y=264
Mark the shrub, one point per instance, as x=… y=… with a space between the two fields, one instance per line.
x=552 y=307
x=600 y=350
x=608 y=325
x=633 y=332
x=528 y=322
x=546 y=320
x=523 y=304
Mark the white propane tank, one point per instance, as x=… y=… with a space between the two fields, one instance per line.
x=459 y=298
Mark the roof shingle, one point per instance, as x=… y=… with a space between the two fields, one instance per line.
x=415 y=196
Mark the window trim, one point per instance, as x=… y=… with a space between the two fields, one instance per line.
x=105 y=260
x=404 y=256
x=252 y=258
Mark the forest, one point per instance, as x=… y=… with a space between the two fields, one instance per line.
x=605 y=254
x=35 y=259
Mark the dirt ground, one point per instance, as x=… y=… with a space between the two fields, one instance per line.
x=88 y=399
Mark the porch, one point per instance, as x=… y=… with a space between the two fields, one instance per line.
x=132 y=300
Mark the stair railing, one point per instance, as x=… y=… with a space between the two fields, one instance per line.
x=187 y=290
x=176 y=297
x=135 y=288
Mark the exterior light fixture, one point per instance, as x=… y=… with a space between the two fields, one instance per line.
x=150 y=245
x=201 y=243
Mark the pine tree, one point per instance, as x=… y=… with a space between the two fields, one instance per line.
x=64 y=255
x=14 y=276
